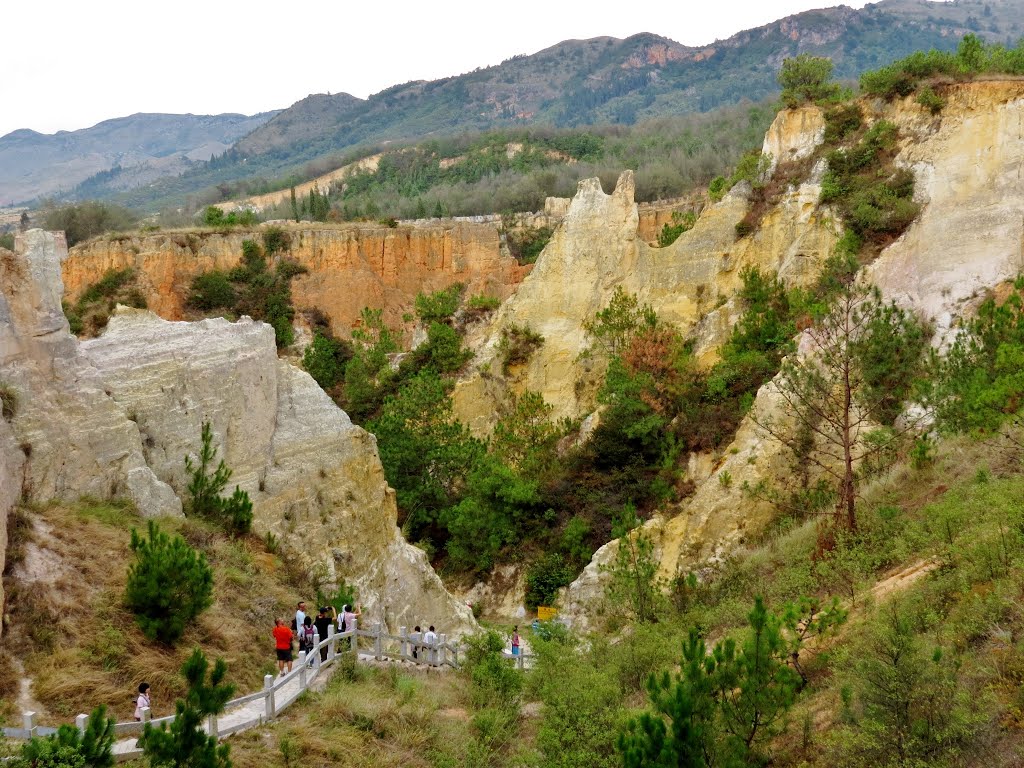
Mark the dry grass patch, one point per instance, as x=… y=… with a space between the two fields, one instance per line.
x=371 y=717
x=83 y=648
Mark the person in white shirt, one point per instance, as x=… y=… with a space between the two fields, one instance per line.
x=300 y=616
x=429 y=641
x=143 y=701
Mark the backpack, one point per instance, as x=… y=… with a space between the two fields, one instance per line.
x=307 y=636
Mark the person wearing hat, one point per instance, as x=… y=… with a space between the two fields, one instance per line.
x=325 y=617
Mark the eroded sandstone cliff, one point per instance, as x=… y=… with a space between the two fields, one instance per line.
x=116 y=417
x=967 y=240
x=597 y=249
x=349 y=266
x=315 y=479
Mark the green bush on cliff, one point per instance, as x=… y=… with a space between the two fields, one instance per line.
x=807 y=78
x=94 y=307
x=325 y=359
x=251 y=288
x=973 y=57
x=682 y=221
x=874 y=198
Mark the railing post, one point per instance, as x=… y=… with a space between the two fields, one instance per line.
x=28 y=719
x=81 y=723
x=302 y=670
x=520 y=659
x=403 y=642
x=330 y=642
x=268 y=686
x=316 y=648
x=212 y=727
x=378 y=649
x=354 y=640
x=441 y=650
x=147 y=714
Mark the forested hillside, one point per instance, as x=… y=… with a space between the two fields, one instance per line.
x=589 y=82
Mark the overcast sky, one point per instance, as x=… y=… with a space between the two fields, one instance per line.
x=68 y=64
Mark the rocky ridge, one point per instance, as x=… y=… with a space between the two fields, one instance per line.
x=115 y=418
x=966 y=242
x=597 y=249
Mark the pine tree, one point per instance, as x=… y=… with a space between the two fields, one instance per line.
x=848 y=382
x=184 y=744
x=722 y=708
x=295 y=206
x=168 y=585
x=68 y=748
x=235 y=512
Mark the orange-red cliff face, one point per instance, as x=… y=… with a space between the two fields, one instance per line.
x=350 y=266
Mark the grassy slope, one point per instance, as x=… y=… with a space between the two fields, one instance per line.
x=963 y=512
x=83 y=648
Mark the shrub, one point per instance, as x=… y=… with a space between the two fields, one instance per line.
x=806 y=78
x=681 y=222
x=108 y=285
x=544 y=578
x=582 y=710
x=930 y=100
x=730 y=702
x=211 y=290
x=874 y=198
x=717 y=188
x=325 y=358
x=494 y=681
x=168 y=584
x=8 y=402
x=438 y=307
x=185 y=744
x=7 y=241
x=517 y=344
x=481 y=304
x=68 y=748
x=525 y=245
x=842 y=121
x=80 y=221
x=275 y=240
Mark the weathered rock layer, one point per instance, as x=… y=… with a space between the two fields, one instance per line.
x=349 y=266
x=116 y=417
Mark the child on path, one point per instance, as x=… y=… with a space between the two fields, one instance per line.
x=515 y=640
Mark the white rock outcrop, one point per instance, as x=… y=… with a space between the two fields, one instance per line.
x=78 y=440
x=968 y=166
x=315 y=479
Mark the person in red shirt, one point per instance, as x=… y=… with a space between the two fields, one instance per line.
x=283 y=644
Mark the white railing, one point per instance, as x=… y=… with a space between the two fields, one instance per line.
x=278 y=693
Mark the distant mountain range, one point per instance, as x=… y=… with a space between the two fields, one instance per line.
x=36 y=165
x=576 y=82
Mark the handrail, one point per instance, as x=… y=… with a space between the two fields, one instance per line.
x=438 y=654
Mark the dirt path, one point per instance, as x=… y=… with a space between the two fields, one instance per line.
x=902 y=579
x=26 y=701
